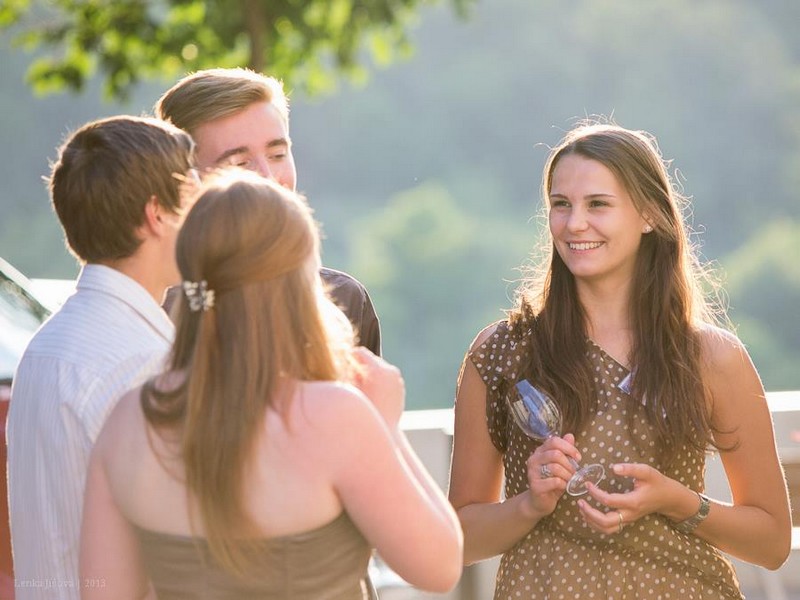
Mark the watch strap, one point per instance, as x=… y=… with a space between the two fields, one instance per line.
x=689 y=525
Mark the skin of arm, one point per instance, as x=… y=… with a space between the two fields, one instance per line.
x=382 y=484
x=110 y=563
x=756 y=527
x=493 y=525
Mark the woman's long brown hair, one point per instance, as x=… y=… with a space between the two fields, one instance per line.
x=668 y=302
x=254 y=244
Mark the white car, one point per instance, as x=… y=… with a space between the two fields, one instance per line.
x=21 y=314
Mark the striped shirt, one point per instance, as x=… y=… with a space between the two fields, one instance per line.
x=108 y=337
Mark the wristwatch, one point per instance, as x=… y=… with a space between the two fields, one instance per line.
x=688 y=525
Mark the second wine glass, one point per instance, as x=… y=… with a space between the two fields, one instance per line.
x=539 y=417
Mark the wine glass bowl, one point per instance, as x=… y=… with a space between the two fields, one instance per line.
x=539 y=417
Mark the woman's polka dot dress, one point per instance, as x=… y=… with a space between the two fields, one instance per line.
x=564 y=558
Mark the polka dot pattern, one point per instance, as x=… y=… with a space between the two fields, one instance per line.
x=562 y=557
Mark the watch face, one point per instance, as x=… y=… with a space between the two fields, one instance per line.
x=705 y=506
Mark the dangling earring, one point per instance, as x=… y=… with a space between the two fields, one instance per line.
x=647 y=229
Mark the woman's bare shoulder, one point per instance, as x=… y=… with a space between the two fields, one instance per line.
x=722 y=349
x=332 y=405
x=730 y=375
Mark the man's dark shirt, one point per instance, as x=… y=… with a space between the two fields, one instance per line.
x=347 y=293
x=351 y=296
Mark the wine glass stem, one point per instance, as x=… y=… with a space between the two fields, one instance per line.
x=574 y=463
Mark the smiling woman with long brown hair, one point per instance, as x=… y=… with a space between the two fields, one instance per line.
x=617 y=329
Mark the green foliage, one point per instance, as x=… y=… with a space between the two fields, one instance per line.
x=776 y=362
x=430 y=267
x=11 y=11
x=301 y=42
x=427 y=178
x=16 y=234
x=713 y=81
x=764 y=289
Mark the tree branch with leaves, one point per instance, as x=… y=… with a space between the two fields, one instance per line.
x=304 y=42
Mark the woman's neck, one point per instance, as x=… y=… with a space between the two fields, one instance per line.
x=608 y=318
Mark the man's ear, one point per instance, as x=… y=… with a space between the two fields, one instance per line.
x=153 y=212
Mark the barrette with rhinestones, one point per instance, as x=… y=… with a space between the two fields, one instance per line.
x=198 y=295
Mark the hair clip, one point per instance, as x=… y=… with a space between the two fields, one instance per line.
x=198 y=295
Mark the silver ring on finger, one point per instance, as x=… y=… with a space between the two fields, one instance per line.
x=621 y=521
x=545 y=471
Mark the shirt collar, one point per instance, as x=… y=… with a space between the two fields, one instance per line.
x=106 y=280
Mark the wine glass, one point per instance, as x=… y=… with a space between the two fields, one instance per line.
x=540 y=418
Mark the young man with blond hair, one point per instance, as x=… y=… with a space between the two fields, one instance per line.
x=240 y=117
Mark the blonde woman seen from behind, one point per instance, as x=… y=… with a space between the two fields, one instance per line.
x=268 y=460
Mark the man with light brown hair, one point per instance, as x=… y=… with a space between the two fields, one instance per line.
x=240 y=117
x=118 y=191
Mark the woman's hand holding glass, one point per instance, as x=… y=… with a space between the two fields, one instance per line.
x=555 y=453
x=540 y=418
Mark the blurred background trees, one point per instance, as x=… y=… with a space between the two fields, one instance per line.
x=426 y=175
x=125 y=41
